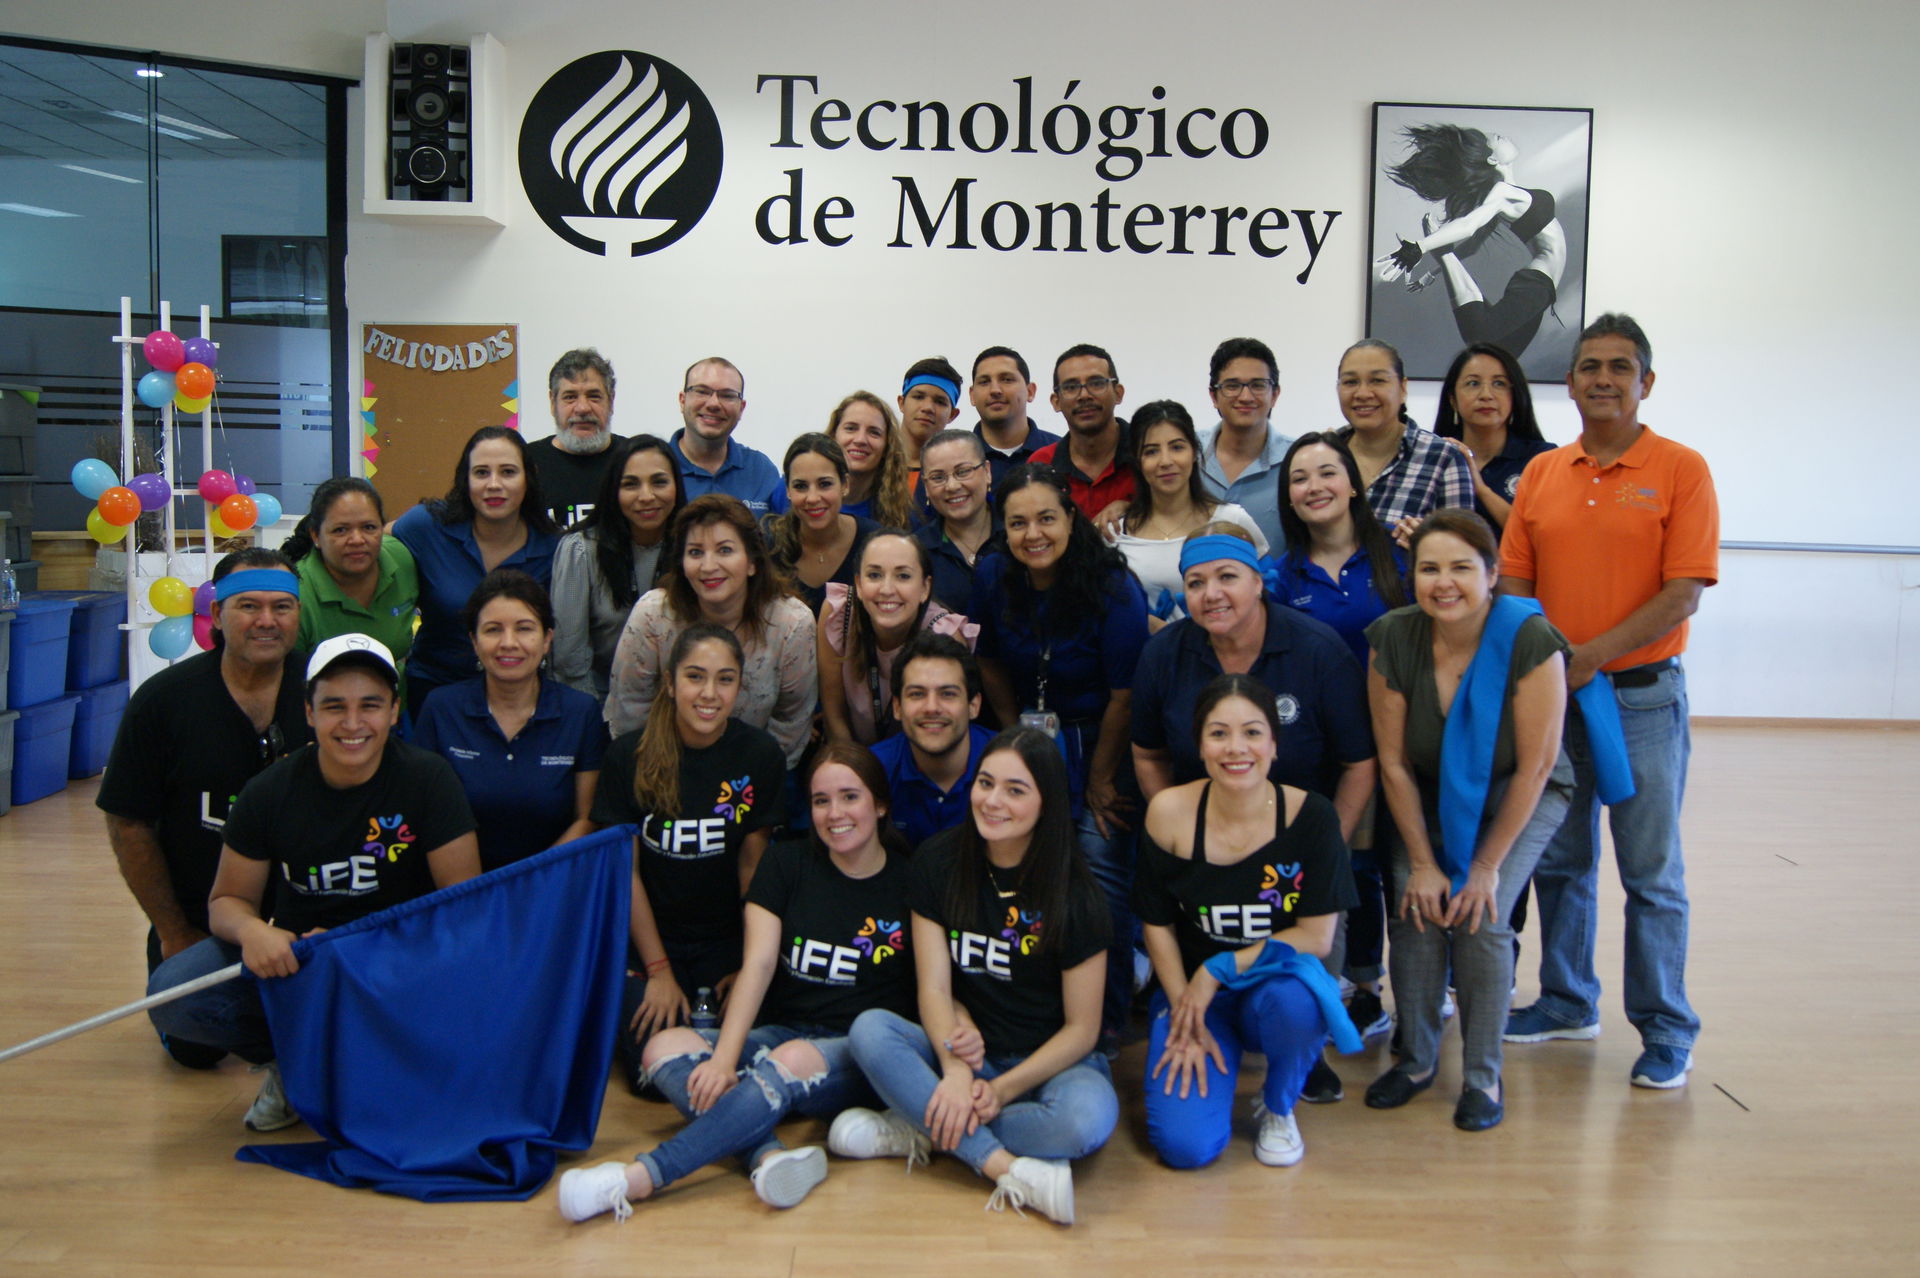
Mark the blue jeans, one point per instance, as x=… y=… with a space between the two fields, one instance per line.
x=1068 y=1116
x=1646 y=838
x=695 y=964
x=1278 y=1018
x=742 y=1120
x=1111 y=860
x=227 y=1016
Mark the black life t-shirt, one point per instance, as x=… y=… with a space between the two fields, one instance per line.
x=844 y=943
x=1005 y=980
x=1301 y=872
x=184 y=750
x=569 y=482
x=339 y=855
x=690 y=859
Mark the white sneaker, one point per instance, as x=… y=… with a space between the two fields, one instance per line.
x=1044 y=1184
x=867 y=1133
x=1448 y=1006
x=270 y=1111
x=786 y=1176
x=585 y=1192
x=1277 y=1143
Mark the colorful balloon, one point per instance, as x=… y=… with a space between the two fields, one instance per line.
x=218 y=529
x=170 y=638
x=184 y=405
x=118 y=506
x=267 y=510
x=216 y=486
x=170 y=597
x=195 y=381
x=203 y=632
x=238 y=512
x=203 y=599
x=163 y=350
x=155 y=389
x=243 y=485
x=152 y=490
x=91 y=477
x=201 y=350
x=102 y=531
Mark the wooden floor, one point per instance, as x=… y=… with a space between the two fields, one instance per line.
x=1792 y=1152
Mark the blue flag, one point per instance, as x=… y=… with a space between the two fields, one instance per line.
x=445 y=1048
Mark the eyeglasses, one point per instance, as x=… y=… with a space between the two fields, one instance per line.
x=959 y=475
x=1258 y=385
x=707 y=392
x=272 y=744
x=1093 y=386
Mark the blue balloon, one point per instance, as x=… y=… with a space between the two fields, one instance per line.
x=171 y=638
x=269 y=507
x=91 y=477
x=155 y=389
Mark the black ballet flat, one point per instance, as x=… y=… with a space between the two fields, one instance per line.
x=1476 y=1111
x=1395 y=1088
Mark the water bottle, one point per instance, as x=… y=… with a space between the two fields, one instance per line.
x=704 y=1016
x=9 y=588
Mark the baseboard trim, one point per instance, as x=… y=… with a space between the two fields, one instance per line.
x=1743 y=721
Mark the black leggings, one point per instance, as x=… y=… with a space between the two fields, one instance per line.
x=1514 y=319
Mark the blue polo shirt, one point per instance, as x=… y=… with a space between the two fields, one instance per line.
x=1502 y=472
x=1257 y=490
x=921 y=809
x=1349 y=605
x=521 y=791
x=952 y=574
x=447 y=559
x=747 y=474
x=1089 y=657
x=1318 y=689
x=999 y=463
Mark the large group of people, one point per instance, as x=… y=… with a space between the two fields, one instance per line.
x=948 y=749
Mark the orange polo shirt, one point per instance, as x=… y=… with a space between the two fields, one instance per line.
x=1597 y=543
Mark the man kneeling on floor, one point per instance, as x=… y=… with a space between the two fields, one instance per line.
x=349 y=825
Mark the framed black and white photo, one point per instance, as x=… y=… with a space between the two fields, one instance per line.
x=1477 y=232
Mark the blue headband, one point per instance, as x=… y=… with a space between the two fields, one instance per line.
x=1205 y=550
x=937 y=382
x=237 y=583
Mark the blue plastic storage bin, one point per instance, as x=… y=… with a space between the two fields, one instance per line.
x=95 y=642
x=95 y=721
x=42 y=745
x=7 y=718
x=37 y=647
x=6 y=653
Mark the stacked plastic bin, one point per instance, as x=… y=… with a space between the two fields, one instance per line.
x=65 y=679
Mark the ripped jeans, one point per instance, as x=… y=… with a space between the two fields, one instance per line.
x=742 y=1120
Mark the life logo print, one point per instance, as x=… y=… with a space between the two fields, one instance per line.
x=620 y=153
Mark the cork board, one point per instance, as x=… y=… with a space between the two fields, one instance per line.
x=424 y=389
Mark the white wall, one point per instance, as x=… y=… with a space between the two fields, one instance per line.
x=1748 y=180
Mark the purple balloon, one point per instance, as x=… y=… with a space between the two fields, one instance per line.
x=151 y=489
x=241 y=484
x=203 y=599
x=200 y=350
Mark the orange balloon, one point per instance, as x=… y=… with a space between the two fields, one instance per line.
x=193 y=381
x=118 y=506
x=238 y=512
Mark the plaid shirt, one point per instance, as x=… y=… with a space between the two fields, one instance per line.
x=1426 y=474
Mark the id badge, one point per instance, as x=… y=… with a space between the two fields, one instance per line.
x=1045 y=720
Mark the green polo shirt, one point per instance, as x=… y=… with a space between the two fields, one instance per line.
x=326 y=610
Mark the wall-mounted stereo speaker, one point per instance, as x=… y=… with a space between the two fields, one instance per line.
x=430 y=123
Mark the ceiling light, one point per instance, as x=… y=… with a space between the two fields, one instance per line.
x=131 y=118
x=34 y=210
x=149 y=73
x=100 y=173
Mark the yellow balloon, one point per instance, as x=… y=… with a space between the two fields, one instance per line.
x=102 y=531
x=218 y=525
x=170 y=597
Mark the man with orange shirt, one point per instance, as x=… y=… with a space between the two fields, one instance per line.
x=1617 y=534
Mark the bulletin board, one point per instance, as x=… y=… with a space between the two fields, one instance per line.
x=424 y=389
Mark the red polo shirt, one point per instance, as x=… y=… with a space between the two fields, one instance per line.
x=1091 y=495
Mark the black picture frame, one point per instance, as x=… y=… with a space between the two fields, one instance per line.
x=1428 y=311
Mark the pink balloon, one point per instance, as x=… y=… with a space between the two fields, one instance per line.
x=216 y=486
x=163 y=350
x=203 y=631
x=203 y=599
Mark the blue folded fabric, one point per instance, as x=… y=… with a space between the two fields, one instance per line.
x=1279 y=959
x=1473 y=727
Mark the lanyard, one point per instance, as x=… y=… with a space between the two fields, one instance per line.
x=1040 y=677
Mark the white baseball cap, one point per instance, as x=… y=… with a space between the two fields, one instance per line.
x=362 y=650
